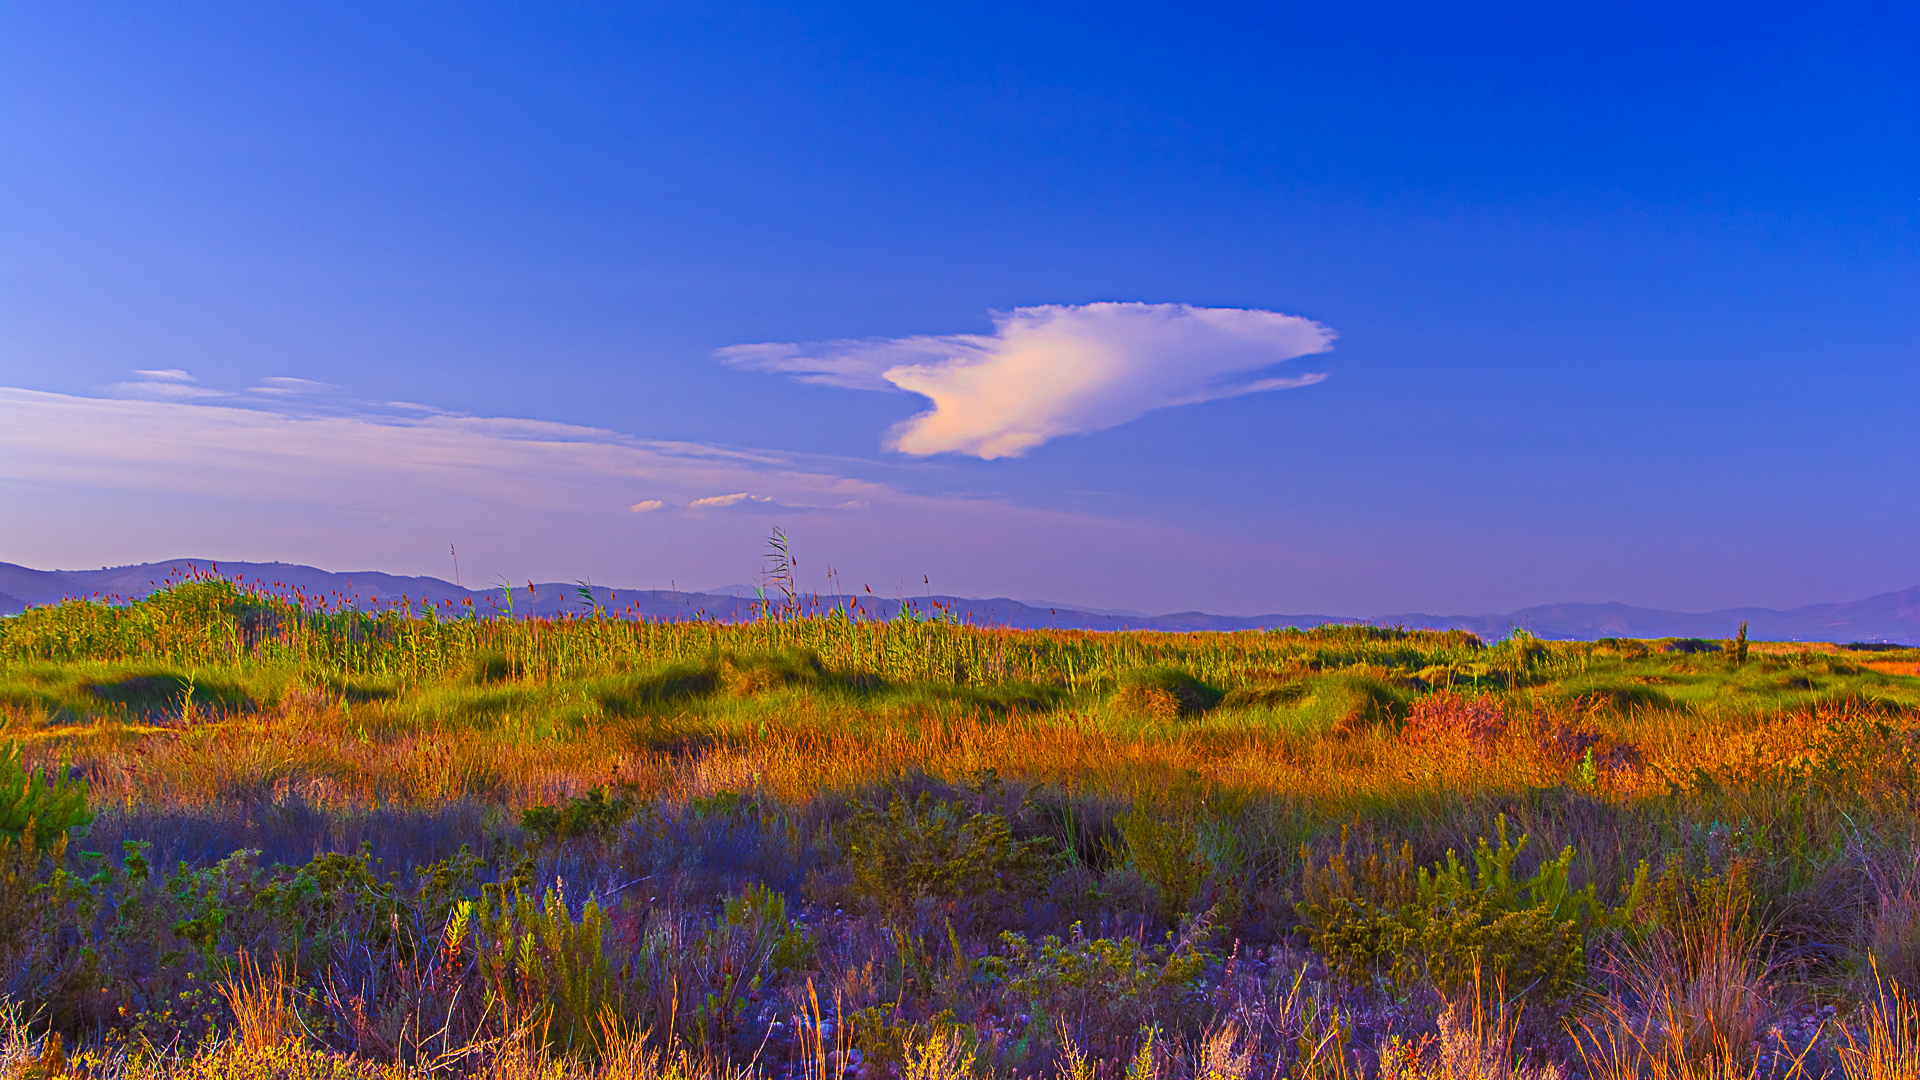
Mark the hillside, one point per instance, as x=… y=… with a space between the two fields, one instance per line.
x=1889 y=617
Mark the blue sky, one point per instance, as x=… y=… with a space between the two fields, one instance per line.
x=1624 y=298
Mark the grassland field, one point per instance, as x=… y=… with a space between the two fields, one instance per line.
x=243 y=836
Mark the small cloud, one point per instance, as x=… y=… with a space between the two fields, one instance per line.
x=283 y=385
x=169 y=384
x=1055 y=370
x=743 y=501
x=719 y=502
x=645 y=506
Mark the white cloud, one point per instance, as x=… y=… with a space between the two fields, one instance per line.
x=720 y=502
x=742 y=500
x=167 y=384
x=285 y=385
x=1055 y=370
x=645 y=506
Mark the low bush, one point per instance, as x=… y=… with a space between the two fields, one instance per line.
x=595 y=815
x=1458 y=928
x=939 y=850
x=49 y=807
x=545 y=967
x=1104 y=990
x=1446 y=716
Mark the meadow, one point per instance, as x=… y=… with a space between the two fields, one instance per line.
x=249 y=835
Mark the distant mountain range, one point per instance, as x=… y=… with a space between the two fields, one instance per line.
x=1890 y=617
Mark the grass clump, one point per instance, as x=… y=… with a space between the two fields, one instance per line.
x=1164 y=694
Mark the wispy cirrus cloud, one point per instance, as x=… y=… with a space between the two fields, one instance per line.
x=287 y=386
x=1055 y=370
x=350 y=459
x=728 y=502
x=749 y=502
x=118 y=480
x=166 y=384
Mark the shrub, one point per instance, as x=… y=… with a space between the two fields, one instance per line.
x=48 y=809
x=1167 y=854
x=946 y=1054
x=1695 y=981
x=668 y=689
x=890 y=1045
x=1110 y=988
x=1447 y=716
x=164 y=694
x=594 y=815
x=263 y=1011
x=935 y=849
x=1456 y=927
x=752 y=941
x=1349 y=702
x=1686 y=645
x=547 y=969
x=1891 y=941
x=760 y=914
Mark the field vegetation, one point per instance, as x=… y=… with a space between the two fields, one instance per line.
x=244 y=836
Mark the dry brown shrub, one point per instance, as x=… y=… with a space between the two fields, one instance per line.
x=1151 y=702
x=1448 y=717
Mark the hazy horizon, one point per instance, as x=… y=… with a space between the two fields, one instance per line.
x=745 y=590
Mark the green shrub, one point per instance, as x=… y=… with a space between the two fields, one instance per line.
x=1457 y=927
x=594 y=815
x=1626 y=648
x=760 y=914
x=890 y=1045
x=1349 y=702
x=1686 y=645
x=935 y=849
x=166 y=693
x=722 y=804
x=751 y=942
x=49 y=808
x=1167 y=854
x=545 y=968
x=1109 y=988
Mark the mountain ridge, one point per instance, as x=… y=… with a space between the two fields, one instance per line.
x=1892 y=617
